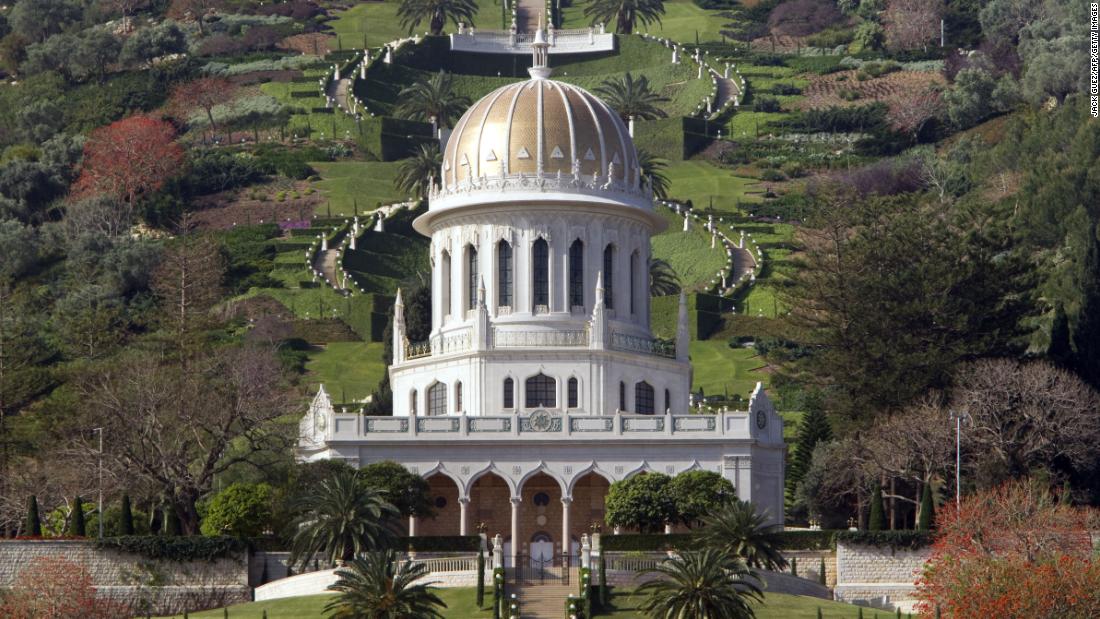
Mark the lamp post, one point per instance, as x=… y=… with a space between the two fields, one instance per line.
x=959 y=418
x=99 y=474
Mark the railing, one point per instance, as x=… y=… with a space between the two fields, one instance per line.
x=440 y=345
x=530 y=339
x=644 y=345
x=631 y=564
x=446 y=564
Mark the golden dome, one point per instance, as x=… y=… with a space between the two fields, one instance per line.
x=541 y=128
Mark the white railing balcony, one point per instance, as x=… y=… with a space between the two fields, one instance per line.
x=647 y=346
x=536 y=339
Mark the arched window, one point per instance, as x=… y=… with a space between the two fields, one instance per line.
x=445 y=282
x=643 y=398
x=471 y=277
x=458 y=397
x=576 y=273
x=509 y=393
x=412 y=402
x=633 y=280
x=622 y=396
x=668 y=402
x=573 y=394
x=540 y=257
x=504 y=274
x=609 y=276
x=541 y=391
x=437 y=400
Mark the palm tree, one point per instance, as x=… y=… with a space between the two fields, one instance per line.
x=630 y=97
x=340 y=518
x=663 y=279
x=415 y=173
x=626 y=13
x=412 y=12
x=374 y=587
x=434 y=98
x=652 y=168
x=704 y=584
x=743 y=532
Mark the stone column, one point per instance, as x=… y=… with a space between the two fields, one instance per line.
x=515 y=530
x=566 y=539
x=412 y=526
x=463 y=503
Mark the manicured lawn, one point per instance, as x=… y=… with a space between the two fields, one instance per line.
x=349 y=370
x=378 y=22
x=774 y=240
x=346 y=184
x=681 y=21
x=702 y=181
x=688 y=253
x=720 y=369
x=460 y=605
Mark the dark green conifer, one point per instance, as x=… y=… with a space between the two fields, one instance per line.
x=813 y=430
x=126 y=526
x=77 y=527
x=821 y=573
x=480 y=576
x=34 y=522
x=877 y=520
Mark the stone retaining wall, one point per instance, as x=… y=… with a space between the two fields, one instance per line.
x=157 y=586
x=879 y=577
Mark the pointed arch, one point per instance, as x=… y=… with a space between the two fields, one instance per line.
x=504 y=273
x=594 y=469
x=576 y=274
x=542 y=468
x=609 y=276
x=540 y=390
x=540 y=273
x=471 y=276
x=441 y=469
x=437 y=399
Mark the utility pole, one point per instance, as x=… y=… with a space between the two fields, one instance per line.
x=959 y=418
x=100 y=475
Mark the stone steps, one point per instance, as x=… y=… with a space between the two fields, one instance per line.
x=545 y=601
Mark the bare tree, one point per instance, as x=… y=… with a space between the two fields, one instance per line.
x=917 y=111
x=1026 y=416
x=188 y=284
x=176 y=427
x=912 y=23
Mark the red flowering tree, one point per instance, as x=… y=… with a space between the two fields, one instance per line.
x=129 y=158
x=56 y=588
x=204 y=94
x=1014 y=551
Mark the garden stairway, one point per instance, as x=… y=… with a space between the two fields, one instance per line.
x=544 y=601
x=527 y=15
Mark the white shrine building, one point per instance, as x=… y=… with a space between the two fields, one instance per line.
x=541 y=382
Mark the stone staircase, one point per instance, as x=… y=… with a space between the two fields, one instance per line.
x=546 y=601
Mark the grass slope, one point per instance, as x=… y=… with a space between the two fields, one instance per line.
x=683 y=20
x=349 y=370
x=701 y=181
x=688 y=253
x=377 y=23
x=719 y=369
x=460 y=605
x=346 y=184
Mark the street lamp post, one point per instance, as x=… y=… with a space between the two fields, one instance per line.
x=99 y=474
x=959 y=418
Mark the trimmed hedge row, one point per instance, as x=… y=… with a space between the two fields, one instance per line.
x=440 y=543
x=896 y=540
x=190 y=548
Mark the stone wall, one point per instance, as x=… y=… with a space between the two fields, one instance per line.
x=809 y=564
x=157 y=586
x=879 y=577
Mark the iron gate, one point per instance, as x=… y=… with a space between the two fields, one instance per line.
x=555 y=569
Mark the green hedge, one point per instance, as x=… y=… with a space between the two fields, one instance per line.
x=808 y=540
x=648 y=542
x=191 y=548
x=897 y=540
x=440 y=543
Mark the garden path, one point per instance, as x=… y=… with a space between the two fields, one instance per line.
x=727 y=89
x=338 y=90
x=527 y=15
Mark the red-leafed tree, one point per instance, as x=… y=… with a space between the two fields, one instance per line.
x=57 y=588
x=129 y=158
x=203 y=94
x=1014 y=551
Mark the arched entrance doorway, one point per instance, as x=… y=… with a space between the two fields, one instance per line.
x=542 y=550
x=443 y=495
x=540 y=511
x=589 y=494
x=490 y=505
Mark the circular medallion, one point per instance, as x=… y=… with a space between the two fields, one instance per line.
x=761 y=419
x=540 y=420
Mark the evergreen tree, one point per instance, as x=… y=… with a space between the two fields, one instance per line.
x=1059 y=350
x=171 y=521
x=927 y=508
x=34 y=522
x=877 y=520
x=794 y=567
x=480 y=576
x=603 y=581
x=821 y=573
x=1086 y=335
x=76 y=522
x=813 y=430
x=127 y=518
x=819 y=613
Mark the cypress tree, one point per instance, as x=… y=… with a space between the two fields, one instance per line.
x=819 y=613
x=603 y=582
x=812 y=430
x=76 y=522
x=821 y=573
x=927 y=509
x=860 y=614
x=225 y=613
x=877 y=520
x=794 y=567
x=34 y=522
x=897 y=613
x=480 y=576
x=127 y=523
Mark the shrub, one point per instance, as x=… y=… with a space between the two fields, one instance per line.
x=76 y=522
x=772 y=176
x=126 y=525
x=785 y=89
x=897 y=540
x=241 y=510
x=766 y=104
x=876 y=521
x=34 y=521
x=643 y=502
x=849 y=94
